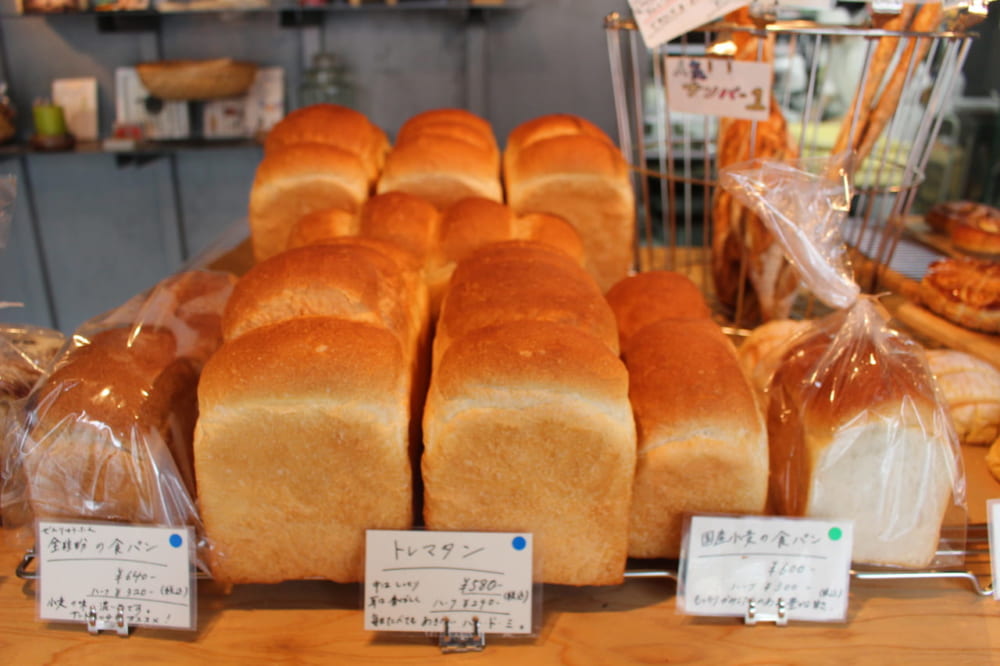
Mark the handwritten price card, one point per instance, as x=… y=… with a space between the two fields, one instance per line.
x=659 y=21
x=719 y=87
x=732 y=561
x=415 y=580
x=144 y=570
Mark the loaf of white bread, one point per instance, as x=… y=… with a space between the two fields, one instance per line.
x=309 y=412
x=702 y=442
x=436 y=239
x=107 y=435
x=564 y=165
x=856 y=433
x=444 y=155
x=322 y=156
x=527 y=425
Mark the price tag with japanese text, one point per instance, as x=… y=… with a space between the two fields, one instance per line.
x=659 y=21
x=993 y=527
x=415 y=580
x=144 y=573
x=802 y=565
x=719 y=87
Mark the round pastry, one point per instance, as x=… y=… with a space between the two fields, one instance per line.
x=978 y=233
x=965 y=291
x=942 y=216
x=971 y=388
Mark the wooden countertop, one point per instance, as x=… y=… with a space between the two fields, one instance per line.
x=313 y=622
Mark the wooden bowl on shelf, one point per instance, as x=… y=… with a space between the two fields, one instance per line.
x=196 y=79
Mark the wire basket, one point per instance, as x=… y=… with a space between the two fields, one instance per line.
x=675 y=156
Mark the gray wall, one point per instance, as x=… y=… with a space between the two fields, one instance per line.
x=100 y=232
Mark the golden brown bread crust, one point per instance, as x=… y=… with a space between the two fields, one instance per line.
x=651 y=296
x=109 y=432
x=453 y=116
x=403 y=219
x=971 y=388
x=509 y=282
x=965 y=291
x=442 y=170
x=586 y=181
x=702 y=442
x=546 y=127
x=295 y=181
x=303 y=437
x=321 y=225
x=855 y=434
x=978 y=234
x=332 y=125
x=942 y=216
x=553 y=231
x=528 y=427
x=346 y=279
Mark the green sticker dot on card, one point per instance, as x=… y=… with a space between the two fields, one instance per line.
x=835 y=533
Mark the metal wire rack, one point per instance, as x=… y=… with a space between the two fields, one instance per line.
x=675 y=156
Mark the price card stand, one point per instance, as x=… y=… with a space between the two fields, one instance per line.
x=119 y=625
x=455 y=586
x=462 y=642
x=753 y=616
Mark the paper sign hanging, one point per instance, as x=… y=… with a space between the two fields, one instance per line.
x=415 y=581
x=798 y=566
x=100 y=571
x=659 y=21
x=719 y=87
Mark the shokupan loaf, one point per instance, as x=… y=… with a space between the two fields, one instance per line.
x=108 y=433
x=855 y=433
x=332 y=125
x=444 y=155
x=648 y=297
x=581 y=177
x=702 y=441
x=528 y=428
x=296 y=180
x=474 y=222
x=512 y=280
x=302 y=445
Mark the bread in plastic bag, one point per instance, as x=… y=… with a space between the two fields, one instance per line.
x=107 y=435
x=857 y=427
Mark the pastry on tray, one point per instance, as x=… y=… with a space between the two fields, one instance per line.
x=965 y=291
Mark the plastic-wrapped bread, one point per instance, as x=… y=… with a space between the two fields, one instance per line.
x=297 y=180
x=109 y=432
x=856 y=433
x=444 y=155
x=581 y=177
x=106 y=434
x=648 y=297
x=503 y=282
x=702 y=441
x=302 y=444
x=528 y=428
x=332 y=125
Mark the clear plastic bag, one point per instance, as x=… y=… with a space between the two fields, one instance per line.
x=107 y=434
x=857 y=427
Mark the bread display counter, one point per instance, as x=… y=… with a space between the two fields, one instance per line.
x=890 y=621
x=417 y=354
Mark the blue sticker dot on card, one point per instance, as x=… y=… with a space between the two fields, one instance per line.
x=519 y=543
x=176 y=540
